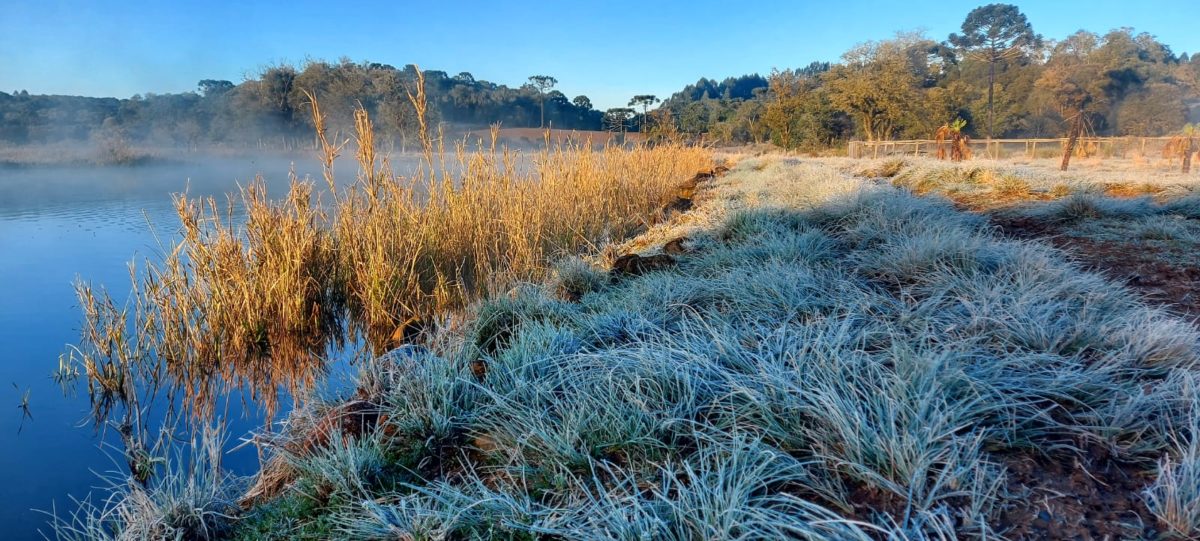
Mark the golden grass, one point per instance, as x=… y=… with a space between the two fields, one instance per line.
x=525 y=136
x=257 y=305
x=986 y=184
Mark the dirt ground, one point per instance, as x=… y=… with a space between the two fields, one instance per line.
x=1085 y=497
x=1160 y=273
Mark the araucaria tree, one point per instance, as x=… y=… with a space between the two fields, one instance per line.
x=995 y=33
x=543 y=84
x=617 y=120
x=645 y=101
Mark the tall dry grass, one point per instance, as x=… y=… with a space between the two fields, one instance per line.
x=260 y=304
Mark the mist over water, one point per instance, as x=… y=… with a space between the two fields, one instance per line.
x=58 y=224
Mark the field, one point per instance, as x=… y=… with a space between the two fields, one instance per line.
x=797 y=348
x=537 y=137
x=1127 y=220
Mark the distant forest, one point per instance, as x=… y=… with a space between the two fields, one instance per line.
x=273 y=106
x=998 y=76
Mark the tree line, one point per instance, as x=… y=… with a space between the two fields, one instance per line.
x=273 y=105
x=995 y=78
x=999 y=77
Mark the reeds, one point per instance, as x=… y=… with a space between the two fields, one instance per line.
x=259 y=303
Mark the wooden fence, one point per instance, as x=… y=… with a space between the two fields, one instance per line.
x=1108 y=147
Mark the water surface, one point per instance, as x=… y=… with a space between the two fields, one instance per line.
x=58 y=224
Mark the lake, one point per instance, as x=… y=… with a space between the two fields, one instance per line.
x=59 y=224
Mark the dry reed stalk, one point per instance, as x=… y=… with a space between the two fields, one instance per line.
x=329 y=152
x=421 y=105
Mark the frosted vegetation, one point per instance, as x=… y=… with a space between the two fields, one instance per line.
x=824 y=342
x=990 y=182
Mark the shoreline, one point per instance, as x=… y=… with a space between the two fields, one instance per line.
x=74 y=157
x=739 y=222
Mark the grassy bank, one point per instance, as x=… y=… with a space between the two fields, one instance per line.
x=806 y=354
x=1135 y=226
x=992 y=184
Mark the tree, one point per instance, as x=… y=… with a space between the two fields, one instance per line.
x=1075 y=81
x=1143 y=85
x=644 y=100
x=212 y=88
x=1158 y=109
x=274 y=94
x=542 y=83
x=798 y=113
x=617 y=120
x=995 y=33
x=749 y=122
x=582 y=102
x=879 y=83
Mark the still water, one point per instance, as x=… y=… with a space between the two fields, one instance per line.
x=57 y=225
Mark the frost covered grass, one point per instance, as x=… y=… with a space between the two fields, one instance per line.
x=1175 y=495
x=193 y=499
x=990 y=184
x=1090 y=212
x=827 y=358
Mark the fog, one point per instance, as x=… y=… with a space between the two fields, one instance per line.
x=271 y=112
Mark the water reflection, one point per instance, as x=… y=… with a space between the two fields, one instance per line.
x=57 y=224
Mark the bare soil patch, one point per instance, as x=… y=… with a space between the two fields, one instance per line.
x=1089 y=496
x=1160 y=273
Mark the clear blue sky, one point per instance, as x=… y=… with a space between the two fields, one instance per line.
x=606 y=50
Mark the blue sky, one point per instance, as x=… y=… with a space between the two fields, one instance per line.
x=606 y=50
